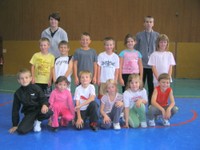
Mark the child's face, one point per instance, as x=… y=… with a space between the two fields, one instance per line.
x=63 y=50
x=53 y=22
x=135 y=84
x=61 y=86
x=25 y=78
x=109 y=46
x=130 y=43
x=164 y=84
x=149 y=23
x=85 y=41
x=44 y=46
x=85 y=79
x=163 y=45
x=111 y=89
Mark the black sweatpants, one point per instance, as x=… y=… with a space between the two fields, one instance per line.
x=27 y=122
x=91 y=112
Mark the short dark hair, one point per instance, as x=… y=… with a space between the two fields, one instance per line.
x=85 y=34
x=63 y=43
x=165 y=76
x=129 y=36
x=55 y=15
x=61 y=79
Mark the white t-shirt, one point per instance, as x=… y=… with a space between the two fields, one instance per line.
x=82 y=94
x=131 y=97
x=162 y=61
x=108 y=105
x=61 y=67
x=108 y=64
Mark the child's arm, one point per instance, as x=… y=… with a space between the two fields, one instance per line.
x=140 y=68
x=33 y=73
x=90 y=99
x=116 y=74
x=50 y=77
x=121 y=81
x=95 y=73
x=126 y=111
x=172 y=104
x=155 y=104
x=98 y=74
x=70 y=68
x=54 y=75
x=155 y=72
x=170 y=71
x=76 y=80
x=79 y=122
x=106 y=118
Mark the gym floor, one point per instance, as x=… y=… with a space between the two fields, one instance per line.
x=183 y=134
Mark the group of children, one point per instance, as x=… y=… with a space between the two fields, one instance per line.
x=106 y=70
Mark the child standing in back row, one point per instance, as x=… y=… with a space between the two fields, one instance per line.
x=63 y=64
x=130 y=61
x=85 y=58
x=111 y=105
x=61 y=103
x=108 y=65
x=42 y=66
x=135 y=98
x=161 y=60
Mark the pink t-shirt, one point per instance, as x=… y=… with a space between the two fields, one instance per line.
x=131 y=58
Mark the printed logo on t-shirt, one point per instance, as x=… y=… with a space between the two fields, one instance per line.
x=134 y=99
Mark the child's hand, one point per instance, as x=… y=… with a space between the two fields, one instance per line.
x=79 y=123
x=121 y=81
x=106 y=119
x=13 y=129
x=77 y=107
x=119 y=104
x=76 y=80
x=33 y=81
x=163 y=113
x=44 y=109
x=168 y=114
x=126 y=125
x=94 y=80
x=138 y=103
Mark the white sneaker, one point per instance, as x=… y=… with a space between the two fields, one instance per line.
x=152 y=123
x=166 y=122
x=37 y=126
x=143 y=124
x=116 y=126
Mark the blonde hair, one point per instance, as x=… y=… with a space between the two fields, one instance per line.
x=162 y=37
x=44 y=39
x=136 y=77
x=85 y=72
x=108 y=82
x=23 y=70
x=164 y=76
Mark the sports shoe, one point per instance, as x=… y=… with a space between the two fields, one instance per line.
x=37 y=126
x=152 y=123
x=166 y=122
x=93 y=126
x=143 y=124
x=116 y=126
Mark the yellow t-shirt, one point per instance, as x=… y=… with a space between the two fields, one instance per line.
x=43 y=64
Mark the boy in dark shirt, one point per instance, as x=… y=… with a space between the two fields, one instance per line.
x=34 y=105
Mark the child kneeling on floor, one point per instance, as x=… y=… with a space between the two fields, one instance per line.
x=61 y=104
x=159 y=102
x=135 y=98
x=34 y=105
x=111 y=105
x=86 y=106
